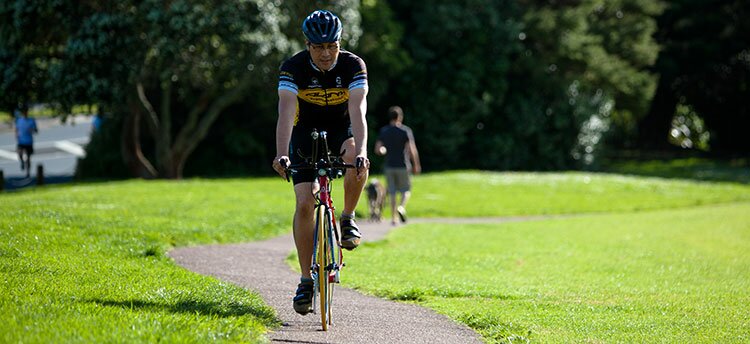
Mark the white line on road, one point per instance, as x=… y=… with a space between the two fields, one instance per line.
x=71 y=148
x=8 y=155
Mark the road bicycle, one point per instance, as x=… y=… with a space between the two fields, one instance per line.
x=327 y=258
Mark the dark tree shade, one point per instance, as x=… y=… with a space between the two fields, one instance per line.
x=704 y=63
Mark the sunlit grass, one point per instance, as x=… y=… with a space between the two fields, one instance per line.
x=672 y=276
x=476 y=193
x=737 y=170
x=87 y=263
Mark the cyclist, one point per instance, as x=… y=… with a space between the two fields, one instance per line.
x=323 y=88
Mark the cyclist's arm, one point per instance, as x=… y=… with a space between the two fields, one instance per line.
x=357 y=112
x=287 y=111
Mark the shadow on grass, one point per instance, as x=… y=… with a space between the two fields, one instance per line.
x=224 y=310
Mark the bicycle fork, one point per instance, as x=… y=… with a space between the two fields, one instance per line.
x=334 y=247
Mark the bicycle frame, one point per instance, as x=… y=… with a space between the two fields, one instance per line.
x=324 y=200
x=327 y=255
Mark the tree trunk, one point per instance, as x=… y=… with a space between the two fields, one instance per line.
x=173 y=166
x=171 y=155
x=653 y=129
x=132 y=155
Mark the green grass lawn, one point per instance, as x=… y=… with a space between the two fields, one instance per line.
x=87 y=263
x=735 y=170
x=671 y=276
x=471 y=193
x=652 y=259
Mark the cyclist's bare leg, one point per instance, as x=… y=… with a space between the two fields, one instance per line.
x=352 y=187
x=304 y=225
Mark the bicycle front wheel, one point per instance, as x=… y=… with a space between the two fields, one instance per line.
x=324 y=263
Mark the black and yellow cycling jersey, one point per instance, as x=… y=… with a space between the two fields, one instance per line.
x=322 y=96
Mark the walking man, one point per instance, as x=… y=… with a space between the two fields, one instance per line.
x=396 y=142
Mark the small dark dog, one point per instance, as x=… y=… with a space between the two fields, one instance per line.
x=376 y=199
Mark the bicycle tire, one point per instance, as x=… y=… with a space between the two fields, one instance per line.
x=323 y=261
x=333 y=262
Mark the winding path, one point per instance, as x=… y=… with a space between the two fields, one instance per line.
x=358 y=318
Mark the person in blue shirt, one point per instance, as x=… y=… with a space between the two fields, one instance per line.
x=96 y=123
x=25 y=130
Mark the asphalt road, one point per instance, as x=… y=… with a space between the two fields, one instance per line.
x=57 y=147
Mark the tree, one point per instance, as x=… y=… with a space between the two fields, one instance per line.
x=523 y=85
x=704 y=64
x=601 y=53
x=32 y=37
x=175 y=67
x=460 y=53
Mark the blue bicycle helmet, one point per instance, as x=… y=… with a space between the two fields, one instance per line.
x=322 y=26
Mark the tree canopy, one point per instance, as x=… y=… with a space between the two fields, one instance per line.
x=190 y=85
x=177 y=67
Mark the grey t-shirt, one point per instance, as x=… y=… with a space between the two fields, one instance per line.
x=395 y=139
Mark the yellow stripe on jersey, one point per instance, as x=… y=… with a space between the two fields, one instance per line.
x=319 y=96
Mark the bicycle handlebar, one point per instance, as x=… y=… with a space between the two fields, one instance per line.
x=327 y=162
x=319 y=165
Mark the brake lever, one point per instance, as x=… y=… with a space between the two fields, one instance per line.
x=285 y=162
x=359 y=163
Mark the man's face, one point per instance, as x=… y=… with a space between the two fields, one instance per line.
x=323 y=54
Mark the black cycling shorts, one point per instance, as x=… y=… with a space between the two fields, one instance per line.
x=29 y=149
x=301 y=146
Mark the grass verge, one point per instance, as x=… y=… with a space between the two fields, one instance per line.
x=637 y=272
x=87 y=263
x=487 y=194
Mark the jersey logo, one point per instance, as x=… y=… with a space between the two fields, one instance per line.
x=323 y=97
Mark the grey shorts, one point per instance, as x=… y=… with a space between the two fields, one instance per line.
x=398 y=179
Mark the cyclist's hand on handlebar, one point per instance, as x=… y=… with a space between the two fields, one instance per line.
x=279 y=164
x=362 y=164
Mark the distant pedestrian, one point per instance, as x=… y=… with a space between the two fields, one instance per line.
x=96 y=123
x=396 y=142
x=25 y=129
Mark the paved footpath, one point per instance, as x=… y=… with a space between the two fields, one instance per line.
x=358 y=318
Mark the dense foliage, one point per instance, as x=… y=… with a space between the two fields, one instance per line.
x=704 y=64
x=523 y=85
x=190 y=86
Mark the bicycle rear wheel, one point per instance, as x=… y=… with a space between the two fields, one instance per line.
x=324 y=262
